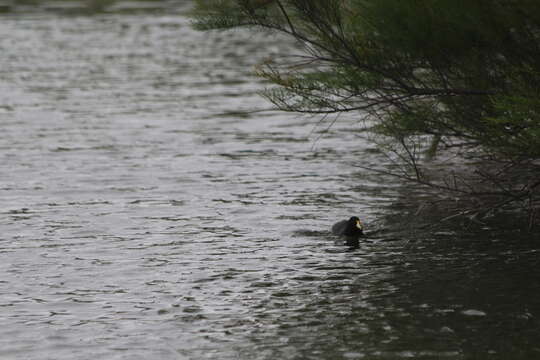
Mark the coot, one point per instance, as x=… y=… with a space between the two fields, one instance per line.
x=350 y=230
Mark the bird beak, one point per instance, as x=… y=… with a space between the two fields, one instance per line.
x=359 y=225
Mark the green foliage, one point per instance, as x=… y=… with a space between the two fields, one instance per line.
x=465 y=73
x=445 y=67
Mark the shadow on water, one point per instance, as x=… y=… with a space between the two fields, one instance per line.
x=428 y=295
x=444 y=292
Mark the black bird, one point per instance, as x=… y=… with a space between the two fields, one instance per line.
x=351 y=230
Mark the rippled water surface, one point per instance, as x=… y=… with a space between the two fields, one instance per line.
x=147 y=212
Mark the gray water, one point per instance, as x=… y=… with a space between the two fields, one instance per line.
x=148 y=212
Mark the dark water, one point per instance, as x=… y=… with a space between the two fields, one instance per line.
x=147 y=213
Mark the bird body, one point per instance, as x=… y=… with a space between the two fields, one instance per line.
x=350 y=230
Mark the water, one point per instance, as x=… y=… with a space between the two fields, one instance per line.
x=148 y=213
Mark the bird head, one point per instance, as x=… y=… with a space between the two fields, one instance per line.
x=354 y=226
x=355 y=221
